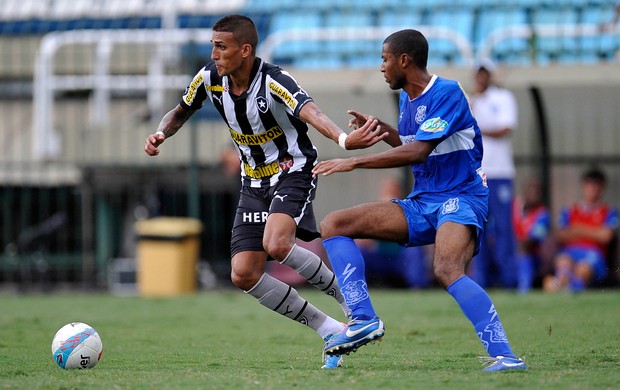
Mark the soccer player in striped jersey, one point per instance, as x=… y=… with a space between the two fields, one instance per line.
x=439 y=138
x=267 y=114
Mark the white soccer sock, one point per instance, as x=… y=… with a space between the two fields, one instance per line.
x=284 y=299
x=330 y=327
x=310 y=266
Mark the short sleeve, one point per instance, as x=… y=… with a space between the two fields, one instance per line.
x=285 y=90
x=196 y=93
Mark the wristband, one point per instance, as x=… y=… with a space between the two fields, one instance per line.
x=341 y=140
x=160 y=132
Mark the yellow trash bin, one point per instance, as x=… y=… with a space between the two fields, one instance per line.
x=168 y=251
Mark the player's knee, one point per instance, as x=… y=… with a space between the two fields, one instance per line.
x=330 y=226
x=278 y=247
x=584 y=272
x=446 y=273
x=244 y=280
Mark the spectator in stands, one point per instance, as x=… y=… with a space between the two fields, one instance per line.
x=495 y=110
x=584 y=233
x=390 y=262
x=532 y=225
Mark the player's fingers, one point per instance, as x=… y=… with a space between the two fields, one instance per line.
x=370 y=125
x=379 y=137
x=321 y=168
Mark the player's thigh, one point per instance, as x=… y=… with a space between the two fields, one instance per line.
x=250 y=218
x=378 y=220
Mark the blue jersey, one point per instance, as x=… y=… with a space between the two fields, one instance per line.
x=442 y=113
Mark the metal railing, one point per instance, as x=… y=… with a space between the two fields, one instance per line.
x=154 y=83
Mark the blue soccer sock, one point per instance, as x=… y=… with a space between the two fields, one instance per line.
x=478 y=308
x=348 y=264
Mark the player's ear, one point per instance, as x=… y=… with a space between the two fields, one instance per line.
x=246 y=50
x=404 y=60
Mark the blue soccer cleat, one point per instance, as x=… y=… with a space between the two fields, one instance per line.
x=332 y=361
x=355 y=335
x=502 y=363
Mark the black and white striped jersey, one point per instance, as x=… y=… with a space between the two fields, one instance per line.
x=263 y=122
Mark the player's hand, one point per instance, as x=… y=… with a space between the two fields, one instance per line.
x=358 y=119
x=328 y=167
x=152 y=143
x=366 y=136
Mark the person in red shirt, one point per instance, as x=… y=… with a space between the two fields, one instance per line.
x=532 y=225
x=584 y=233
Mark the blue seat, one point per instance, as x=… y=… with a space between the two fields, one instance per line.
x=400 y=19
x=379 y=5
x=269 y=6
x=353 y=20
x=460 y=21
x=491 y=20
x=283 y=21
x=605 y=44
x=560 y=45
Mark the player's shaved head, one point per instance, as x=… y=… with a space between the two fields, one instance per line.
x=410 y=42
x=242 y=28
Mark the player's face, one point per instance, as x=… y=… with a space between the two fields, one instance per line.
x=391 y=70
x=227 y=53
x=592 y=190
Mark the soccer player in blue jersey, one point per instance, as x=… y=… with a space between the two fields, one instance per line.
x=267 y=115
x=438 y=137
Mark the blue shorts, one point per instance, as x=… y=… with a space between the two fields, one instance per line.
x=424 y=216
x=594 y=258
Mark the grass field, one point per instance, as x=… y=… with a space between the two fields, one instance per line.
x=225 y=340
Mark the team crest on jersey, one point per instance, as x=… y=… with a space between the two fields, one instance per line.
x=407 y=139
x=434 y=125
x=285 y=162
x=450 y=206
x=420 y=114
x=261 y=103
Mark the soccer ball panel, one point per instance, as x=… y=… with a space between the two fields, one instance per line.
x=77 y=345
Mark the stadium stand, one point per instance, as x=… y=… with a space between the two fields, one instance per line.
x=483 y=22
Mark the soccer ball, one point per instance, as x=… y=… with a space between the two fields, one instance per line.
x=77 y=345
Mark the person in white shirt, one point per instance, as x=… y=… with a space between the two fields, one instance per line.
x=495 y=110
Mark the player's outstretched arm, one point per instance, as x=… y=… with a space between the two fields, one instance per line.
x=413 y=153
x=366 y=137
x=169 y=125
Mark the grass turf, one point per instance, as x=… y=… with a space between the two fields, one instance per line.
x=225 y=340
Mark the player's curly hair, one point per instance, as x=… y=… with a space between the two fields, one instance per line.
x=243 y=29
x=410 y=42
